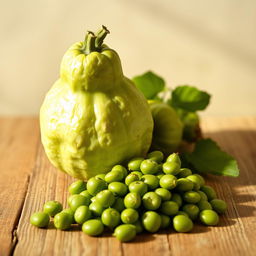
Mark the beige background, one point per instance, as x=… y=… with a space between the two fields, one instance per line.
x=210 y=44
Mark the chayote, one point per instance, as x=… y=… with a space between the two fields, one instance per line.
x=93 y=117
x=168 y=128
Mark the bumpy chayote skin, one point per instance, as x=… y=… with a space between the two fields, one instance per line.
x=93 y=117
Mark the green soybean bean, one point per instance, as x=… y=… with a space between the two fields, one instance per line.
x=52 y=207
x=149 y=167
x=131 y=177
x=191 y=197
x=129 y=216
x=78 y=200
x=86 y=194
x=218 y=205
x=192 y=210
x=134 y=164
x=151 y=181
x=165 y=221
x=62 y=220
x=119 y=204
x=151 y=221
x=183 y=184
x=96 y=208
x=169 y=208
x=94 y=186
x=93 y=227
x=77 y=187
x=151 y=201
x=110 y=217
x=82 y=214
x=182 y=223
x=171 y=168
x=40 y=219
x=114 y=176
x=121 y=169
x=184 y=172
x=125 y=232
x=209 y=217
x=168 y=181
x=177 y=199
x=174 y=158
x=132 y=200
x=118 y=188
x=164 y=193
x=156 y=156
x=139 y=226
x=204 y=205
x=106 y=198
x=209 y=191
x=138 y=187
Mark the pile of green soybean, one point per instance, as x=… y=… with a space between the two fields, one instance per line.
x=148 y=195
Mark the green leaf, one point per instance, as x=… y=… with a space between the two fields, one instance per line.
x=189 y=98
x=209 y=158
x=149 y=84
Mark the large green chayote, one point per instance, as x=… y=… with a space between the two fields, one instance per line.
x=93 y=117
x=168 y=128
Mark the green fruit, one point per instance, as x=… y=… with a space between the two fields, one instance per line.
x=77 y=187
x=118 y=188
x=82 y=214
x=169 y=208
x=168 y=181
x=209 y=217
x=96 y=208
x=191 y=197
x=192 y=210
x=132 y=200
x=134 y=164
x=52 y=208
x=149 y=166
x=151 y=221
x=167 y=131
x=151 y=201
x=95 y=185
x=40 y=219
x=129 y=216
x=63 y=220
x=165 y=221
x=156 y=156
x=171 y=168
x=183 y=184
x=131 y=178
x=164 y=193
x=110 y=217
x=125 y=232
x=151 y=181
x=182 y=223
x=119 y=204
x=210 y=192
x=93 y=117
x=93 y=227
x=219 y=205
x=78 y=200
x=138 y=187
x=106 y=198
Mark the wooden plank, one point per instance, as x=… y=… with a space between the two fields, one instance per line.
x=234 y=236
x=18 y=144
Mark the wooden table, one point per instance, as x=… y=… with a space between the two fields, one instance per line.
x=27 y=180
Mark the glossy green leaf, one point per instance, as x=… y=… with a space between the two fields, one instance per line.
x=209 y=158
x=189 y=98
x=149 y=84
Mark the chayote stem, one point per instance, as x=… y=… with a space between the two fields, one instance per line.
x=100 y=36
x=89 y=43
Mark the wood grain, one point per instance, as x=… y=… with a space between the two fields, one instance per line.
x=234 y=235
x=18 y=145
